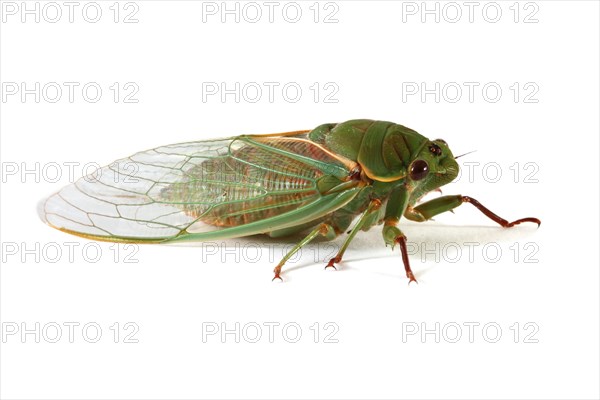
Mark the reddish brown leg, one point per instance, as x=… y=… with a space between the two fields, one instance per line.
x=401 y=240
x=496 y=218
x=440 y=205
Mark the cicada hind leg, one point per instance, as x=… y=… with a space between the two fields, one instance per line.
x=323 y=229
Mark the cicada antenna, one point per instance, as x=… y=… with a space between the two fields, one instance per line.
x=464 y=154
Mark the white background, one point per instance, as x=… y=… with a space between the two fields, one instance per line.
x=171 y=292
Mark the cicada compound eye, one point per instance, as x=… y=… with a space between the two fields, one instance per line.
x=419 y=170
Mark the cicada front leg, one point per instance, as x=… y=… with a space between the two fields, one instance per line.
x=431 y=208
x=442 y=204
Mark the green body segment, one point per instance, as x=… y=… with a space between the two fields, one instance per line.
x=383 y=149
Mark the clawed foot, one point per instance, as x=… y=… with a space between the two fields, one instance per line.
x=332 y=262
x=411 y=277
x=517 y=222
x=277 y=274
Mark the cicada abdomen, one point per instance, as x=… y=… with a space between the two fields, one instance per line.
x=255 y=180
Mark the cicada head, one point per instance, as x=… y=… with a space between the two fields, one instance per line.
x=433 y=167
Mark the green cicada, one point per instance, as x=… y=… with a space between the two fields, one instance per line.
x=316 y=181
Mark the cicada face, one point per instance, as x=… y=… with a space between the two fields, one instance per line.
x=432 y=168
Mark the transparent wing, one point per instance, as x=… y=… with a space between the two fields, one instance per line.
x=195 y=187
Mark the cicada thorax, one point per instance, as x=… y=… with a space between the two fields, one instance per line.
x=383 y=149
